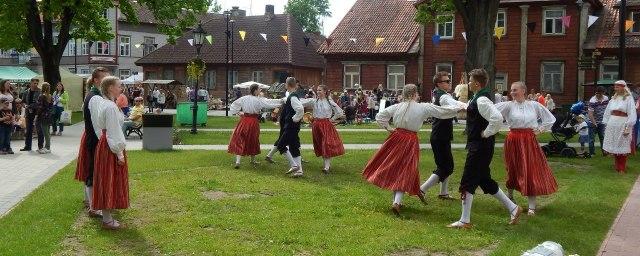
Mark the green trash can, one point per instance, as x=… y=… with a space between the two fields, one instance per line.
x=184 y=114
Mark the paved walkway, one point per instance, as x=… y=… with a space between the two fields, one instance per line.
x=304 y=129
x=624 y=236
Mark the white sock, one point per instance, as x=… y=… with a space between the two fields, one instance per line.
x=272 y=152
x=532 y=202
x=505 y=200
x=87 y=196
x=290 y=158
x=90 y=190
x=238 y=159
x=397 y=197
x=432 y=181
x=466 y=208
x=106 y=216
x=444 y=187
x=327 y=163
x=298 y=160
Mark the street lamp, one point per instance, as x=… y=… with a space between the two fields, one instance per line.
x=227 y=18
x=198 y=39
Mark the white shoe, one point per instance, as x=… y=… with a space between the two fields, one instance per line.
x=41 y=151
x=297 y=174
x=59 y=134
x=47 y=151
x=293 y=169
x=460 y=224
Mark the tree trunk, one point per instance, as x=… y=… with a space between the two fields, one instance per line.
x=50 y=68
x=479 y=19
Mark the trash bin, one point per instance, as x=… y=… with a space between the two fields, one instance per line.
x=184 y=113
x=158 y=131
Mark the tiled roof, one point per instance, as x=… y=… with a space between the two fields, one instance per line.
x=604 y=34
x=145 y=15
x=254 y=50
x=370 y=19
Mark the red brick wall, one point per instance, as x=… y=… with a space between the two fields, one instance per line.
x=373 y=70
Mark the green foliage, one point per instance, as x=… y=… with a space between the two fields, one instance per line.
x=308 y=13
x=215 y=7
x=435 y=11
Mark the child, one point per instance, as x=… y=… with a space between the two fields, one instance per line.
x=6 y=126
x=583 y=130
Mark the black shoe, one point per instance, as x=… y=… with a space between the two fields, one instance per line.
x=25 y=149
x=10 y=152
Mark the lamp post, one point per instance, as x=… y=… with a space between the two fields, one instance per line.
x=227 y=17
x=622 y=15
x=198 y=39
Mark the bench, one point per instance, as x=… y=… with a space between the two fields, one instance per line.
x=136 y=130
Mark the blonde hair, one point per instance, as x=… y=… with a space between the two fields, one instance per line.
x=626 y=90
x=408 y=92
x=46 y=91
x=106 y=83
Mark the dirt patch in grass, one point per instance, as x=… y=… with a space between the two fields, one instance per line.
x=578 y=167
x=71 y=244
x=217 y=195
x=422 y=252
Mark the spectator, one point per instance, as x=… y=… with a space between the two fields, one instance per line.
x=30 y=99
x=123 y=103
x=549 y=103
x=541 y=98
x=203 y=95
x=43 y=118
x=162 y=99
x=582 y=129
x=597 y=105
x=6 y=126
x=532 y=95
x=461 y=93
x=60 y=101
x=497 y=97
x=137 y=91
x=371 y=105
x=135 y=117
x=6 y=92
x=156 y=95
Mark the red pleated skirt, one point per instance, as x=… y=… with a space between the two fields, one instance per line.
x=326 y=140
x=82 y=165
x=110 y=180
x=245 y=140
x=395 y=165
x=527 y=167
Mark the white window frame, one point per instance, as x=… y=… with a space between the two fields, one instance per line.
x=257 y=76
x=394 y=78
x=233 y=75
x=506 y=82
x=544 y=20
x=635 y=16
x=85 y=71
x=210 y=79
x=602 y=72
x=84 y=47
x=148 y=45
x=453 y=27
x=349 y=78
x=125 y=46
x=546 y=88
x=100 y=48
x=445 y=64
x=70 y=48
x=504 y=13
x=127 y=73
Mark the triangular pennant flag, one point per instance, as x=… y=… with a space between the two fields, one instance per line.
x=264 y=36
x=190 y=41
x=592 y=19
x=566 y=20
x=379 y=41
x=628 y=24
x=242 y=34
x=499 y=32
x=329 y=40
x=306 y=41
x=137 y=45
x=210 y=39
x=285 y=38
x=353 y=40
x=435 y=39
x=531 y=26
x=464 y=35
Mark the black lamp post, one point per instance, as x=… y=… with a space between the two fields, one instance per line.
x=198 y=40
x=622 y=15
x=227 y=17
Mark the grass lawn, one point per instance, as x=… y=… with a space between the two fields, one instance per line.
x=348 y=137
x=177 y=208
x=76 y=117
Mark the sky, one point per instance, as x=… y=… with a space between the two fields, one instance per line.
x=338 y=9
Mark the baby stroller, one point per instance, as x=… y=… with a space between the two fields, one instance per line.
x=562 y=131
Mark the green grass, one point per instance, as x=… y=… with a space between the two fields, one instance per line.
x=76 y=117
x=221 y=122
x=338 y=214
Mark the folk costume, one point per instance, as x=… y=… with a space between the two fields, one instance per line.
x=527 y=167
x=441 y=137
x=245 y=138
x=326 y=140
x=395 y=165
x=288 y=143
x=483 y=122
x=620 y=117
x=86 y=153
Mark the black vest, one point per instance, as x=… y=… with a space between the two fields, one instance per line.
x=475 y=122
x=90 y=135
x=286 y=117
x=442 y=128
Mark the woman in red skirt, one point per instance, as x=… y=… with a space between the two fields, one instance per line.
x=527 y=167
x=245 y=140
x=111 y=174
x=326 y=140
x=395 y=165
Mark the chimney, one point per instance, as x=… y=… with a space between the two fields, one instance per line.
x=237 y=12
x=269 y=12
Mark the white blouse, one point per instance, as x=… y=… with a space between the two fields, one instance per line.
x=324 y=108
x=253 y=104
x=410 y=115
x=105 y=114
x=526 y=115
x=626 y=105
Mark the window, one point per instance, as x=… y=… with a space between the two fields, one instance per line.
x=102 y=48
x=552 y=77
x=552 y=21
x=125 y=46
x=71 y=47
x=609 y=70
x=72 y=70
x=257 y=76
x=167 y=74
x=210 y=79
x=501 y=82
x=125 y=73
x=351 y=76
x=501 y=20
x=445 y=30
x=85 y=71
x=150 y=75
x=395 y=77
x=635 y=16
x=149 y=45
x=447 y=67
x=233 y=77
x=84 y=47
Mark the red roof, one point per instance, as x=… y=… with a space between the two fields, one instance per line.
x=604 y=34
x=371 y=19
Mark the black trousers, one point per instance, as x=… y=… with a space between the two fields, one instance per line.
x=443 y=158
x=289 y=140
x=91 y=154
x=28 y=140
x=476 y=167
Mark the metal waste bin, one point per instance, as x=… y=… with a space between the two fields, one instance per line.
x=158 y=132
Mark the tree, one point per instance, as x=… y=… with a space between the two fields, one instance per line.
x=33 y=23
x=215 y=7
x=308 y=13
x=479 y=18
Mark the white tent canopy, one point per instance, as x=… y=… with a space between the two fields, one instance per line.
x=73 y=85
x=134 y=79
x=246 y=85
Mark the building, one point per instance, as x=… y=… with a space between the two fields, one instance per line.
x=263 y=56
x=355 y=61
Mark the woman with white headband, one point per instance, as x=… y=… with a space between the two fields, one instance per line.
x=620 y=117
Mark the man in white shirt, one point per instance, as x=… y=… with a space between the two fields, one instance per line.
x=203 y=95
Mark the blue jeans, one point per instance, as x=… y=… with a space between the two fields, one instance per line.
x=5 y=137
x=28 y=140
x=56 y=120
x=599 y=129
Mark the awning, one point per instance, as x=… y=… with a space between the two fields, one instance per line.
x=17 y=74
x=246 y=85
x=161 y=82
x=605 y=83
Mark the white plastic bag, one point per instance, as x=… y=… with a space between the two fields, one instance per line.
x=65 y=117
